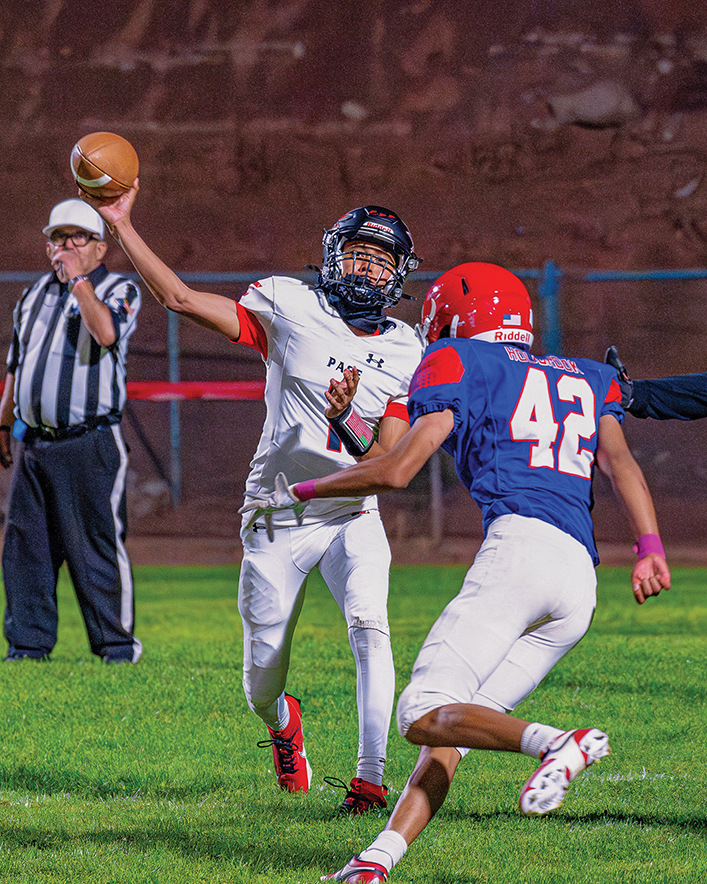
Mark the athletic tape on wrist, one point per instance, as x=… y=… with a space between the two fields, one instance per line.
x=356 y=436
x=647 y=544
x=305 y=490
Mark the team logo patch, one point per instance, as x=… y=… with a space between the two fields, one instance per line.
x=440 y=367
x=125 y=305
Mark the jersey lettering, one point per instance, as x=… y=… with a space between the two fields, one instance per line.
x=333 y=361
x=517 y=355
x=533 y=421
x=578 y=425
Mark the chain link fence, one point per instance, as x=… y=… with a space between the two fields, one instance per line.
x=658 y=324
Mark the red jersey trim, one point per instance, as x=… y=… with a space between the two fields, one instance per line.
x=252 y=333
x=397 y=409
x=614 y=392
x=443 y=366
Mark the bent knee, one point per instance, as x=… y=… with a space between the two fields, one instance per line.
x=434 y=727
x=420 y=709
x=430 y=729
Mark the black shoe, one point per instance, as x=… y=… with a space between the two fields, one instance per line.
x=14 y=655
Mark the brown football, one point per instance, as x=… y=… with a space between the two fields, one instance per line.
x=104 y=164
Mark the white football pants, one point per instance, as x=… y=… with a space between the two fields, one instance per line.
x=353 y=557
x=528 y=598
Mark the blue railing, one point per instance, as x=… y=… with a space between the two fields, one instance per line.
x=549 y=283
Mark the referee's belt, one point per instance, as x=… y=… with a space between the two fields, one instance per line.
x=54 y=434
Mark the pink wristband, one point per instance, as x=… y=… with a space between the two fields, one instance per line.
x=647 y=544
x=305 y=490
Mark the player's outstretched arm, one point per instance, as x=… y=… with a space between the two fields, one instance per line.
x=205 y=308
x=394 y=469
x=391 y=470
x=651 y=573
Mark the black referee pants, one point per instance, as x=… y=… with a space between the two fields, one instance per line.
x=67 y=504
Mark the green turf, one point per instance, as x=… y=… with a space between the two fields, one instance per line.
x=151 y=773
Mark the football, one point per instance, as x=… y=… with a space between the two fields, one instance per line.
x=104 y=164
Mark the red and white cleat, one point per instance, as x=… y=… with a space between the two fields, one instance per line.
x=565 y=757
x=358 y=871
x=361 y=796
x=291 y=765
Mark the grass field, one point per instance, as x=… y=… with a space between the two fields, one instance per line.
x=150 y=773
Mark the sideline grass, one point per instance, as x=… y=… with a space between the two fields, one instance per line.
x=151 y=773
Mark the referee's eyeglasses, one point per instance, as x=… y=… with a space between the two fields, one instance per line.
x=79 y=238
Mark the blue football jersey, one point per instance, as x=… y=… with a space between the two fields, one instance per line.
x=525 y=427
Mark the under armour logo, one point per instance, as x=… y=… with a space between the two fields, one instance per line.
x=372 y=360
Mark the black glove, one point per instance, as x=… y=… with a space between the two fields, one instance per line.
x=625 y=383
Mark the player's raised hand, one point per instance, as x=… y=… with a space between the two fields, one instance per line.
x=114 y=210
x=341 y=393
x=650 y=574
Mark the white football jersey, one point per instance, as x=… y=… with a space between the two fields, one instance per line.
x=308 y=345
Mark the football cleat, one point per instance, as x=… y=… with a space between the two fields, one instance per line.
x=291 y=765
x=565 y=757
x=358 y=871
x=360 y=797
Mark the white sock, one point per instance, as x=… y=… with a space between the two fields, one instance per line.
x=283 y=714
x=536 y=738
x=387 y=850
x=371 y=769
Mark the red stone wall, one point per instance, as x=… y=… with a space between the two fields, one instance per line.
x=501 y=130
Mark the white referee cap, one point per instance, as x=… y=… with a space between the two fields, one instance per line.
x=74 y=213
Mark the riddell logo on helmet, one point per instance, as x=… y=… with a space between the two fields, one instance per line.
x=373 y=224
x=522 y=337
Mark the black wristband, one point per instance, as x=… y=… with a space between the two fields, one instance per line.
x=5 y=427
x=354 y=434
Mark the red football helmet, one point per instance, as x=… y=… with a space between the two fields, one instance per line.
x=478 y=300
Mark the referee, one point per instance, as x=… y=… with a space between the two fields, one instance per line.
x=63 y=399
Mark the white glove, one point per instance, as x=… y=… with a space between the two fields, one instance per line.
x=282 y=498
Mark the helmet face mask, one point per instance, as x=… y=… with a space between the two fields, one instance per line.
x=360 y=283
x=478 y=300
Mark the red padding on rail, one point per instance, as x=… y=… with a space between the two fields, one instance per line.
x=163 y=391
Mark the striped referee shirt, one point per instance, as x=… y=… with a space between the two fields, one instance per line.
x=62 y=376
